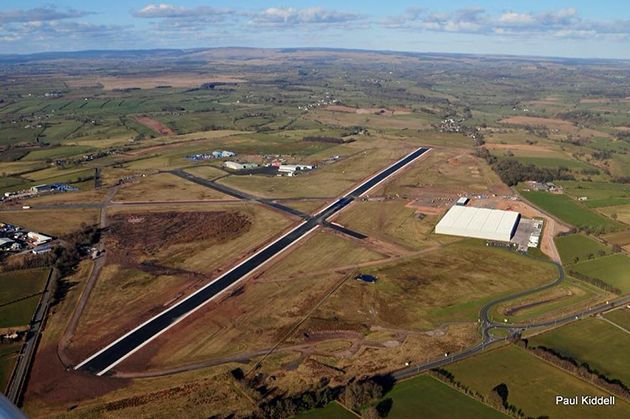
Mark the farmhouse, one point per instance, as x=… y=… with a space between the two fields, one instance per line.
x=480 y=223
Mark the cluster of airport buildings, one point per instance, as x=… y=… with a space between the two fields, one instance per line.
x=37 y=190
x=282 y=169
x=16 y=239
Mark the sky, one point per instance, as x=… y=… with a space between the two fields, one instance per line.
x=562 y=28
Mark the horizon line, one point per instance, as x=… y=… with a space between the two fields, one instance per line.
x=382 y=51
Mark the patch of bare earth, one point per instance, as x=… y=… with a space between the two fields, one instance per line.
x=154 y=125
x=52 y=384
x=142 y=283
x=147 y=233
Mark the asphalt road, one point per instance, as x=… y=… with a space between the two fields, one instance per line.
x=236 y=193
x=132 y=341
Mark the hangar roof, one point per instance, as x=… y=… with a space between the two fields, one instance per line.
x=477 y=222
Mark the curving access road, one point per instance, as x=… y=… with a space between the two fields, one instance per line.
x=487 y=325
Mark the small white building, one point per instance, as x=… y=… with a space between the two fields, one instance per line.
x=479 y=223
x=462 y=201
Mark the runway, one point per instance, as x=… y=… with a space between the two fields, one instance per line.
x=114 y=353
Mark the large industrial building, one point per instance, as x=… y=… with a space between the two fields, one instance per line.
x=479 y=223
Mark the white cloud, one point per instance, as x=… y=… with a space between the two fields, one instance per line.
x=40 y=14
x=292 y=16
x=169 y=11
x=557 y=23
x=516 y=18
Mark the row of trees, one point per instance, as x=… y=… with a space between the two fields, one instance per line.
x=582 y=369
x=512 y=171
x=355 y=395
x=497 y=397
x=595 y=281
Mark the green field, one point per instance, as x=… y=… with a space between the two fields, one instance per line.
x=57 y=152
x=17 y=284
x=8 y=354
x=601 y=345
x=569 y=210
x=19 y=295
x=612 y=269
x=599 y=194
x=532 y=384
x=620 y=316
x=576 y=247
x=551 y=162
x=331 y=410
x=427 y=397
x=619 y=212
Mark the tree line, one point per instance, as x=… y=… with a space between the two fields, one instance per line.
x=581 y=369
x=512 y=171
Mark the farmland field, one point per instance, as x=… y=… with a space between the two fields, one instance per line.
x=57 y=153
x=425 y=396
x=621 y=238
x=55 y=223
x=593 y=341
x=620 y=317
x=577 y=247
x=613 y=269
x=8 y=355
x=330 y=411
x=569 y=211
x=552 y=162
x=599 y=194
x=532 y=383
x=19 y=295
x=619 y=212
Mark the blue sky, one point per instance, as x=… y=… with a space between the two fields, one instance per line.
x=577 y=28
